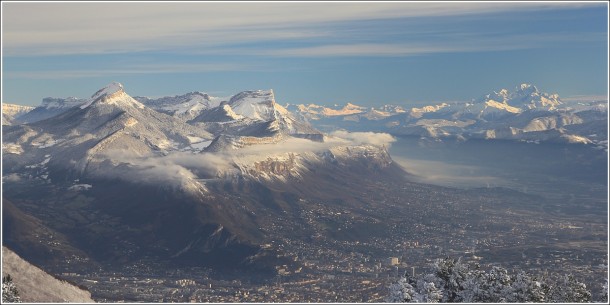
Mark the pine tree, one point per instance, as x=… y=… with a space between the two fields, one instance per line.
x=9 y=290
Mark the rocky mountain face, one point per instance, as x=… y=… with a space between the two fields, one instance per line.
x=523 y=114
x=185 y=180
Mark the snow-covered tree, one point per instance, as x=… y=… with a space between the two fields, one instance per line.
x=450 y=275
x=568 y=290
x=491 y=287
x=526 y=289
x=9 y=290
x=428 y=292
x=402 y=292
x=452 y=281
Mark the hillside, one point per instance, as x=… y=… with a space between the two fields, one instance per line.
x=36 y=286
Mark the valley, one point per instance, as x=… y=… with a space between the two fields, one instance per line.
x=330 y=247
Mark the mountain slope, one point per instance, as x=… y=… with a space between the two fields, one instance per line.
x=36 y=286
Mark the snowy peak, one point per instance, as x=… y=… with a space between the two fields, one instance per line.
x=526 y=89
x=109 y=90
x=527 y=97
x=258 y=105
x=112 y=94
x=524 y=97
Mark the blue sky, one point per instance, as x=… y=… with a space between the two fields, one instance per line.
x=366 y=53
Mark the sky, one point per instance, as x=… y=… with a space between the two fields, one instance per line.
x=368 y=53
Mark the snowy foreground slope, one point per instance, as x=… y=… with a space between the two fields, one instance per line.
x=523 y=114
x=36 y=286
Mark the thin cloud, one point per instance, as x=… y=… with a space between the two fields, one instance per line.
x=467 y=43
x=130 y=70
x=100 y=28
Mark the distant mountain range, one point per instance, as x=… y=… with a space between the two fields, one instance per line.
x=523 y=114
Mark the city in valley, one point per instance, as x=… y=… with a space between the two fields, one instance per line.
x=352 y=251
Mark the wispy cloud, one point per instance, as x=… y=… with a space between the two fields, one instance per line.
x=31 y=29
x=130 y=70
x=465 y=43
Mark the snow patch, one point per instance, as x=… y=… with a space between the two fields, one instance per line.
x=80 y=187
x=12 y=148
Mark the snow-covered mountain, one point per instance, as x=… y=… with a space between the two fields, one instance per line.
x=524 y=113
x=186 y=106
x=139 y=161
x=81 y=138
x=12 y=113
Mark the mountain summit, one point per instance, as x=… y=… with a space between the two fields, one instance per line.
x=114 y=94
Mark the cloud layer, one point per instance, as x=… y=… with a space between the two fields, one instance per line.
x=102 y=28
x=183 y=168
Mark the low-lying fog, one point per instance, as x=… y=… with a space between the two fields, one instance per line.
x=570 y=172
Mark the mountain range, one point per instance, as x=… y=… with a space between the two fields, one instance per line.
x=188 y=180
x=522 y=114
